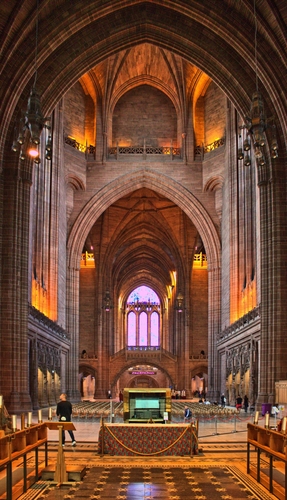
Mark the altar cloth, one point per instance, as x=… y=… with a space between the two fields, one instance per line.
x=148 y=439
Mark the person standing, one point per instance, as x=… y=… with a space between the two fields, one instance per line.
x=64 y=412
x=246 y=403
x=238 y=403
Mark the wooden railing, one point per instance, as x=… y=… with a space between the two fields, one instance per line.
x=273 y=444
x=17 y=445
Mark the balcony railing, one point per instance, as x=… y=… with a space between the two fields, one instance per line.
x=88 y=150
x=143 y=352
x=168 y=152
x=243 y=322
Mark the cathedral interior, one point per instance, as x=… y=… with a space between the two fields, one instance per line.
x=144 y=243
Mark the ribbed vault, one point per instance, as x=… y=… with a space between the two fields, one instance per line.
x=163 y=185
x=85 y=35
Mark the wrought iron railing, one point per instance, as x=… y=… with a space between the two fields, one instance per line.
x=166 y=151
x=214 y=145
x=163 y=151
x=82 y=148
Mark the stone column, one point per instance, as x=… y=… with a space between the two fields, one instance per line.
x=214 y=294
x=14 y=282
x=72 y=370
x=272 y=198
x=263 y=184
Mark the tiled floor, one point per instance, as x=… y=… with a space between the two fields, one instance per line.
x=218 y=472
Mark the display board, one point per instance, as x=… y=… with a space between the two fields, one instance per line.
x=145 y=405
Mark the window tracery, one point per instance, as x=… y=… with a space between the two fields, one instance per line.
x=143 y=318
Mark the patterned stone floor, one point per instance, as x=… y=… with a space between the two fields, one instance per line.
x=184 y=482
x=218 y=472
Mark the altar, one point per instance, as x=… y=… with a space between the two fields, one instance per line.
x=148 y=439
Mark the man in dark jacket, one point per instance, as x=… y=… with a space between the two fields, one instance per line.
x=187 y=414
x=64 y=412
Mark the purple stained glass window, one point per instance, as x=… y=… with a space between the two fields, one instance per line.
x=132 y=329
x=143 y=328
x=154 y=329
x=143 y=319
x=143 y=294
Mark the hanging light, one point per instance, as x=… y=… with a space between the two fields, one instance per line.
x=240 y=154
x=37 y=160
x=247 y=160
x=32 y=119
x=49 y=144
x=258 y=152
x=179 y=302
x=256 y=123
x=246 y=144
x=107 y=302
x=262 y=161
x=33 y=151
x=15 y=145
x=22 y=155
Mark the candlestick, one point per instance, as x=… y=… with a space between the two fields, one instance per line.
x=284 y=422
x=267 y=416
x=1 y=400
x=256 y=418
x=29 y=419
x=50 y=414
x=14 y=423
x=39 y=415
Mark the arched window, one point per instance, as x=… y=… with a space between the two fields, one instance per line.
x=143 y=329
x=132 y=329
x=154 y=329
x=143 y=318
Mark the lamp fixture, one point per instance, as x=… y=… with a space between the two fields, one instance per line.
x=27 y=137
x=179 y=303
x=256 y=123
x=107 y=302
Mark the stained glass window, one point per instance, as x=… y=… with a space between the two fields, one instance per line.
x=132 y=329
x=143 y=329
x=143 y=294
x=143 y=318
x=154 y=329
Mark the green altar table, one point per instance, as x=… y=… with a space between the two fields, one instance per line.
x=148 y=439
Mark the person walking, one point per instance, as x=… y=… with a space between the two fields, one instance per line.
x=64 y=412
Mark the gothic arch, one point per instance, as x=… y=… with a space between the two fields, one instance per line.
x=199 y=369
x=145 y=80
x=163 y=185
x=141 y=22
x=140 y=362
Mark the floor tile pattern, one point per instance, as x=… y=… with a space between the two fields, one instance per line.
x=152 y=483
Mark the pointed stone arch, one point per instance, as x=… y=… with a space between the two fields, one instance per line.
x=178 y=194
x=162 y=184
